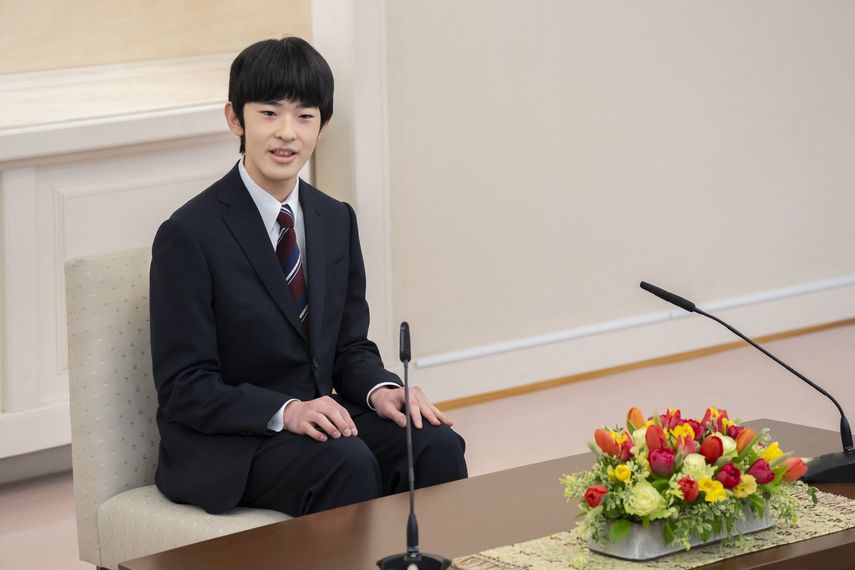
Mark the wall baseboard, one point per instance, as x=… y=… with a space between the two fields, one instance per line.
x=680 y=357
x=36 y=464
x=600 y=349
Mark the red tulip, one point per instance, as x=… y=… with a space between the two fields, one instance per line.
x=729 y=476
x=795 y=468
x=712 y=448
x=671 y=419
x=745 y=437
x=655 y=437
x=634 y=419
x=761 y=471
x=594 y=495
x=689 y=487
x=662 y=461
x=625 y=448
x=734 y=430
x=606 y=442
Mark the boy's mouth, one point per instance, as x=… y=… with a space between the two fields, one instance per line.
x=283 y=152
x=283 y=155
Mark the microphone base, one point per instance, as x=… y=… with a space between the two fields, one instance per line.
x=421 y=561
x=831 y=468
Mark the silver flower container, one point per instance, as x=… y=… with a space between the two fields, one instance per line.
x=648 y=543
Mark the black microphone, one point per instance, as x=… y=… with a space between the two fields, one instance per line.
x=404 y=344
x=828 y=468
x=412 y=559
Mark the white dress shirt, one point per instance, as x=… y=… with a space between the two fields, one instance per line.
x=269 y=208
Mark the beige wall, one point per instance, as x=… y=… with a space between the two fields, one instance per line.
x=55 y=34
x=544 y=160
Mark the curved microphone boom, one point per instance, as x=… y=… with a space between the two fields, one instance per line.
x=829 y=468
x=412 y=559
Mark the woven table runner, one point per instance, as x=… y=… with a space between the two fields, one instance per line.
x=567 y=550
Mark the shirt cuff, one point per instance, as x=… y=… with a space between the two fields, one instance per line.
x=277 y=422
x=380 y=385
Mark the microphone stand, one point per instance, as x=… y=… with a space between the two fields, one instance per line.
x=412 y=559
x=829 y=468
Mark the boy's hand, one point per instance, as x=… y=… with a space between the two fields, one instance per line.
x=318 y=418
x=389 y=403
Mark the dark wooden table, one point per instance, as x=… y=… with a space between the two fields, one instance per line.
x=469 y=516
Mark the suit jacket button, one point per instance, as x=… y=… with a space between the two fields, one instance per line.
x=315 y=363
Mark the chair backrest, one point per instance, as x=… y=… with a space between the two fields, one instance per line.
x=113 y=400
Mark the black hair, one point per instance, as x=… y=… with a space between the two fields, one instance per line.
x=273 y=70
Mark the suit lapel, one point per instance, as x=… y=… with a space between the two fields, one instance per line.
x=244 y=222
x=315 y=258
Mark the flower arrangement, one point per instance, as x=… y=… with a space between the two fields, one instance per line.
x=699 y=476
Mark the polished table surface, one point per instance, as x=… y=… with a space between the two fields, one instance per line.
x=469 y=516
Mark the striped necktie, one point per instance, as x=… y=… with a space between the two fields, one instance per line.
x=291 y=261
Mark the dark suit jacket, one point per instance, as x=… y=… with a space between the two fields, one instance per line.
x=227 y=347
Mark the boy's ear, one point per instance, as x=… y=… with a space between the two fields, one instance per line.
x=233 y=120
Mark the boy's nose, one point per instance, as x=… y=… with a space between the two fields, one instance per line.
x=285 y=129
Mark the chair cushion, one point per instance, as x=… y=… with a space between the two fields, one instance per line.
x=142 y=521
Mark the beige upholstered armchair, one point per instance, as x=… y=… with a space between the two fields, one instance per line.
x=120 y=513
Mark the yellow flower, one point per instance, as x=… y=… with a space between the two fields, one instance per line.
x=713 y=490
x=623 y=473
x=772 y=451
x=747 y=486
x=684 y=430
x=726 y=423
x=618 y=437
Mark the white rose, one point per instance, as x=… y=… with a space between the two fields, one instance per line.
x=729 y=445
x=643 y=500
x=638 y=438
x=695 y=466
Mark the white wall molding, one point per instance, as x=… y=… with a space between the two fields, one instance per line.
x=21 y=307
x=108 y=132
x=525 y=361
x=631 y=322
x=355 y=37
x=65 y=206
x=47 y=113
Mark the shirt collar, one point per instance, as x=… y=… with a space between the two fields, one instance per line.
x=267 y=205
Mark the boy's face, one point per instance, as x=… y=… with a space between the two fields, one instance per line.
x=280 y=138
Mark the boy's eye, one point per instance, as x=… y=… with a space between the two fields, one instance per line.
x=307 y=116
x=268 y=113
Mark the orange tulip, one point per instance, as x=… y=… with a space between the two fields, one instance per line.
x=606 y=442
x=795 y=468
x=745 y=437
x=634 y=419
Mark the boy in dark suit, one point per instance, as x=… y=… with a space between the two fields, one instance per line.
x=270 y=393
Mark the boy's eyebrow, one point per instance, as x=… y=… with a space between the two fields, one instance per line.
x=280 y=102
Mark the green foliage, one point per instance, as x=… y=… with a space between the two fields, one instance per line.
x=811 y=491
x=757 y=505
x=620 y=528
